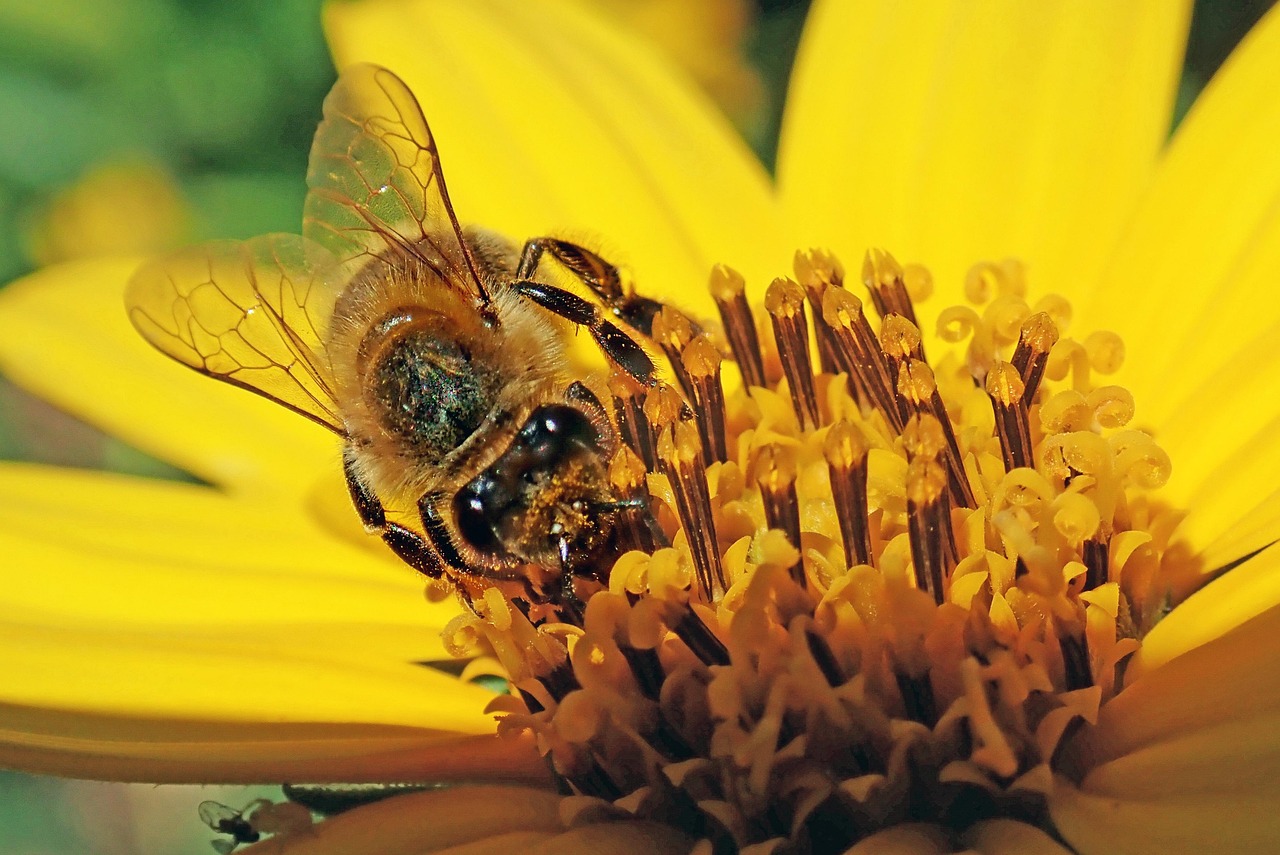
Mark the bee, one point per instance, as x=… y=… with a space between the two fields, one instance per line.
x=428 y=347
x=247 y=825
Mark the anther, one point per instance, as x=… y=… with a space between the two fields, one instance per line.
x=680 y=459
x=1039 y=335
x=1005 y=387
x=859 y=354
x=933 y=545
x=636 y=528
x=673 y=332
x=784 y=302
x=884 y=278
x=729 y=291
x=629 y=412
x=776 y=477
x=701 y=363
x=817 y=270
x=846 y=453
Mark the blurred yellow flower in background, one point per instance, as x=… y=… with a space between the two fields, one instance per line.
x=245 y=629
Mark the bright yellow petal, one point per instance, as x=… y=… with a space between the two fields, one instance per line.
x=952 y=132
x=1008 y=837
x=431 y=822
x=1192 y=292
x=88 y=549
x=549 y=121
x=64 y=335
x=1206 y=822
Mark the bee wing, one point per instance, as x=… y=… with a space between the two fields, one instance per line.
x=214 y=814
x=375 y=184
x=252 y=314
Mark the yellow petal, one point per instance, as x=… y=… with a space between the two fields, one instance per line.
x=1008 y=837
x=549 y=121
x=1192 y=292
x=1231 y=681
x=463 y=817
x=64 y=336
x=951 y=132
x=95 y=550
x=1246 y=591
x=1207 y=822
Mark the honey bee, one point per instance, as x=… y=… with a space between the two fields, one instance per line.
x=428 y=347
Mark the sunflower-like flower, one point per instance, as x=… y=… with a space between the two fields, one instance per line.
x=921 y=574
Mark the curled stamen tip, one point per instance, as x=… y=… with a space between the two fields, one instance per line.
x=840 y=308
x=1004 y=384
x=700 y=357
x=926 y=481
x=879 y=269
x=899 y=338
x=726 y=283
x=844 y=445
x=916 y=381
x=817 y=267
x=923 y=437
x=784 y=298
x=1039 y=332
x=918 y=281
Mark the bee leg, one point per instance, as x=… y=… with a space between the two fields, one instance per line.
x=620 y=348
x=410 y=546
x=597 y=274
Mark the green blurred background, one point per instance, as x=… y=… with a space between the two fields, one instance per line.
x=135 y=125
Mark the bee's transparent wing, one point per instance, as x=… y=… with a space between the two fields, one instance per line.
x=375 y=185
x=252 y=314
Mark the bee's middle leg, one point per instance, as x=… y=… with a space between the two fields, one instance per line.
x=407 y=544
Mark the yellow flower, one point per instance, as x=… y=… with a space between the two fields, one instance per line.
x=248 y=631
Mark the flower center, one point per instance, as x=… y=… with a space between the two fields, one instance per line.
x=872 y=586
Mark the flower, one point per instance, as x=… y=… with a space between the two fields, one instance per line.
x=1021 y=139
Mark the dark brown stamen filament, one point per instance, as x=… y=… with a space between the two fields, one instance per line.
x=680 y=459
x=817 y=270
x=933 y=546
x=1004 y=386
x=919 y=392
x=776 y=477
x=859 y=353
x=633 y=425
x=784 y=302
x=846 y=453
x=1096 y=560
x=1038 y=336
x=673 y=332
x=883 y=276
x=701 y=363
x=728 y=290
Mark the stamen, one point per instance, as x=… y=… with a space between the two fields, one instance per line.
x=1075 y=660
x=846 y=453
x=673 y=332
x=884 y=278
x=1096 y=560
x=701 y=363
x=636 y=528
x=817 y=270
x=858 y=352
x=918 y=393
x=633 y=425
x=776 y=476
x=680 y=459
x=1004 y=386
x=785 y=303
x=729 y=291
x=1039 y=335
x=933 y=546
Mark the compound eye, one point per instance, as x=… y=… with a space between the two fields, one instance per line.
x=473 y=517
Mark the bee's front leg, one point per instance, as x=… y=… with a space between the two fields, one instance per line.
x=410 y=546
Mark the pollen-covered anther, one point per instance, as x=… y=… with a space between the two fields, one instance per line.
x=775 y=473
x=1005 y=388
x=629 y=413
x=701 y=362
x=680 y=459
x=1038 y=336
x=635 y=526
x=673 y=332
x=845 y=449
x=933 y=546
x=728 y=289
x=859 y=353
x=817 y=270
x=784 y=301
x=884 y=278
